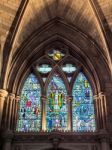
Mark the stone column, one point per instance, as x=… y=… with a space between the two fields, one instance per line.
x=6 y=113
x=98 y=111
x=3 y=95
x=103 y=109
x=69 y=105
x=44 y=100
x=17 y=99
x=7 y=138
x=13 y=113
x=11 y=100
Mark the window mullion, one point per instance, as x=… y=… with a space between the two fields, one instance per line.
x=44 y=100
x=69 y=108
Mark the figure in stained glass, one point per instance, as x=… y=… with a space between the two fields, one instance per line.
x=56 y=107
x=83 y=107
x=29 y=106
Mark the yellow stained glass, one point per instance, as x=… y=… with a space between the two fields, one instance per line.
x=57 y=55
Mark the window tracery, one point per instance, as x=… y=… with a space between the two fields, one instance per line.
x=57 y=90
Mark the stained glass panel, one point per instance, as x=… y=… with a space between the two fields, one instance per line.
x=44 y=68
x=69 y=78
x=56 y=55
x=83 y=108
x=69 y=68
x=44 y=79
x=29 y=116
x=56 y=105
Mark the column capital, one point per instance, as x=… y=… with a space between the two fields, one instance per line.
x=3 y=93
x=17 y=98
x=101 y=94
x=11 y=96
x=96 y=97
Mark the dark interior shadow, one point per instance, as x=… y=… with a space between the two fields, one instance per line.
x=55 y=149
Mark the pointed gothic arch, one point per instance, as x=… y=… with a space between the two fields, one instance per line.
x=56 y=115
x=57 y=89
x=29 y=113
x=83 y=115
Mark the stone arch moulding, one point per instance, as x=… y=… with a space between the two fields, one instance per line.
x=32 y=49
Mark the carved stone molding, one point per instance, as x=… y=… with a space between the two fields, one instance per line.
x=3 y=93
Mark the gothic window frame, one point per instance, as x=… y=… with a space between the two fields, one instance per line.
x=87 y=75
x=56 y=68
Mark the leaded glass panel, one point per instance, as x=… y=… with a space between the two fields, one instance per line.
x=82 y=107
x=29 y=116
x=56 y=54
x=56 y=105
x=44 y=68
x=69 y=68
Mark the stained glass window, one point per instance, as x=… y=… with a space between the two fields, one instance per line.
x=69 y=78
x=44 y=68
x=69 y=68
x=44 y=79
x=56 y=105
x=29 y=116
x=56 y=55
x=82 y=106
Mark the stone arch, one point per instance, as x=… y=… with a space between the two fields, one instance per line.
x=26 y=54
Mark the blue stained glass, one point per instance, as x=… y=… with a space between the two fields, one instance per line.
x=82 y=106
x=29 y=116
x=56 y=117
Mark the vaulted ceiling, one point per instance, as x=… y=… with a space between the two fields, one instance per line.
x=8 y=10
x=78 y=12
x=20 y=19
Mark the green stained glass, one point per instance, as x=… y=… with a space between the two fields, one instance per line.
x=56 y=105
x=29 y=116
x=83 y=116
